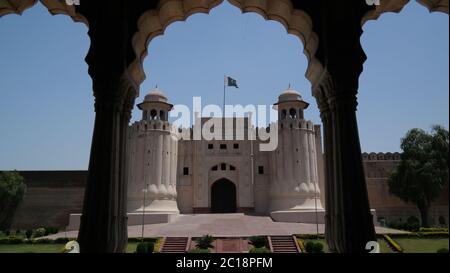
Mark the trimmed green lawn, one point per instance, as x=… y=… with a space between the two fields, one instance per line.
x=384 y=248
x=131 y=247
x=46 y=248
x=28 y=248
x=409 y=245
x=422 y=245
x=50 y=248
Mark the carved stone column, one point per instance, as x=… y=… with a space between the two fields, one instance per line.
x=349 y=223
x=103 y=225
x=325 y=115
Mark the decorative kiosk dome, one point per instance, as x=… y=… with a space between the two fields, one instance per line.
x=155 y=95
x=155 y=106
x=291 y=96
x=290 y=105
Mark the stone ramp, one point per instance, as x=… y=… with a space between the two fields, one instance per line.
x=223 y=225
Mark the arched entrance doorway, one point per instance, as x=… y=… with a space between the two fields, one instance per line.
x=223 y=196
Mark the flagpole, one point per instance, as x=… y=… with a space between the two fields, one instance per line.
x=252 y=154
x=224 y=86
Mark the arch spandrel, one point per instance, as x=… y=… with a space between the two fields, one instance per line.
x=397 y=6
x=435 y=5
x=61 y=7
x=153 y=23
x=15 y=6
x=54 y=7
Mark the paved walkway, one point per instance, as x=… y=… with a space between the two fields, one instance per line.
x=223 y=225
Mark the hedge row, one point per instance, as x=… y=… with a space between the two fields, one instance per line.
x=419 y=235
x=259 y=250
x=18 y=240
x=422 y=229
x=138 y=240
x=423 y=233
x=310 y=236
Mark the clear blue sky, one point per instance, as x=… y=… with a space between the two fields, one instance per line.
x=46 y=103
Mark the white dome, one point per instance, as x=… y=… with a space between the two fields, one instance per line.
x=155 y=95
x=290 y=95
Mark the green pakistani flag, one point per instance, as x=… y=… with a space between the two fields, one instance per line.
x=231 y=82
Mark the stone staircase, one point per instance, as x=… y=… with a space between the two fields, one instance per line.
x=283 y=244
x=175 y=245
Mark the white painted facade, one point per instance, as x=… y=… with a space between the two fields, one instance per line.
x=179 y=175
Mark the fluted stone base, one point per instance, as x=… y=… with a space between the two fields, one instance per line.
x=306 y=216
x=161 y=206
x=134 y=219
x=290 y=202
x=299 y=216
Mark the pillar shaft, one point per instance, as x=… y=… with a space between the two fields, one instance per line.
x=103 y=226
x=349 y=224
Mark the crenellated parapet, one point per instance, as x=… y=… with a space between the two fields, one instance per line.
x=144 y=126
x=381 y=156
x=290 y=123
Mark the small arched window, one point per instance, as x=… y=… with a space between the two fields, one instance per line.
x=292 y=113
x=144 y=115
x=153 y=114
x=283 y=114
x=162 y=115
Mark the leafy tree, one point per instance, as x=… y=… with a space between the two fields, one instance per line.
x=12 y=191
x=423 y=170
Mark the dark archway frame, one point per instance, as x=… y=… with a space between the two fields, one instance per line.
x=120 y=31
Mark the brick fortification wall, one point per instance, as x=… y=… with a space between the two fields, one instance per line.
x=53 y=195
x=377 y=169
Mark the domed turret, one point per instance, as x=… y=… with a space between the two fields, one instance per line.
x=294 y=184
x=289 y=95
x=155 y=106
x=155 y=95
x=153 y=161
x=290 y=105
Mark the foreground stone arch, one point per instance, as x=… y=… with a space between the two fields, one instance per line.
x=15 y=6
x=153 y=23
x=120 y=32
x=55 y=7
x=397 y=6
